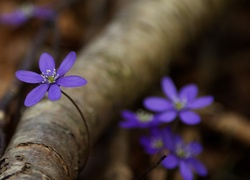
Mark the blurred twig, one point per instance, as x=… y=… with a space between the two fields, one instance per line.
x=228 y=123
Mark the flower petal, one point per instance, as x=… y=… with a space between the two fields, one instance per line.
x=189 y=92
x=157 y=104
x=54 y=92
x=128 y=115
x=147 y=145
x=43 y=12
x=199 y=168
x=14 y=18
x=168 y=139
x=128 y=124
x=167 y=116
x=129 y=119
x=169 y=88
x=189 y=117
x=46 y=62
x=67 y=63
x=71 y=81
x=201 y=102
x=36 y=95
x=29 y=76
x=196 y=148
x=186 y=172
x=170 y=161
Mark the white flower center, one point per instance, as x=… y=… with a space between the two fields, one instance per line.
x=179 y=105
x=183 y=151
x=157 y=143
x=27 y=10
x=49 y=77
x=144 y=116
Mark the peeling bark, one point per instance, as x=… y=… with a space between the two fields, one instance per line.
x=129 y=57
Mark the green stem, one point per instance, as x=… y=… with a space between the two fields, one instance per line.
x=86 y=126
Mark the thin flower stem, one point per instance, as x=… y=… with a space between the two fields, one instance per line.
x=151 y=168
x=86 y=126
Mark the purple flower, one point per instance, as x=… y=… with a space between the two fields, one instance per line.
x=178 y=103
x=50 y=79
x=154 y=143
x=182 y=155
x=24 y=13
x=140 y=119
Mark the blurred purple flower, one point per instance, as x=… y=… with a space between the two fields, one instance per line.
x=50 y=79
x=154 y=143
x=181 y=103
x=139 y=119
x=182 y=155
x=24 y=13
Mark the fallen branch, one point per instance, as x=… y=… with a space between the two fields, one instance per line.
x=127 y=59
x=228 y=123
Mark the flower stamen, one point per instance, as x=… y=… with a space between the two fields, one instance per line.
x=144 y=116
x=157 y=143
x=48 y=77
x=183 y=151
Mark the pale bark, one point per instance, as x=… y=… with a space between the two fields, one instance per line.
x=128 y=58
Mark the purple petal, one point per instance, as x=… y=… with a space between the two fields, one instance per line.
x=196 y=148
x=199 y=168
x=67 y=63
x=189 y=117
x=168 y=138
x=54 y=92
x=130 y=119
x=177 y=140
x=201 y=102
x=46 y=62
x=169 y=88
x=189 y=91
x=71 y=81
x=147 y=145
x=156 y=132
x=186 y=172
x=170 y=161
x=43 y=12
x=13 y=18
x=167 y=116
x=36 y=95
x=128 y=115
x=128 y=124
x=157 y=104
x=29 y=76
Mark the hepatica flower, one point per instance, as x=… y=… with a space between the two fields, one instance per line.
x=50 y=78
x=181 y=103
x=183 y=155
x=24 y=13
x=154 y=143
x=139 y=119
